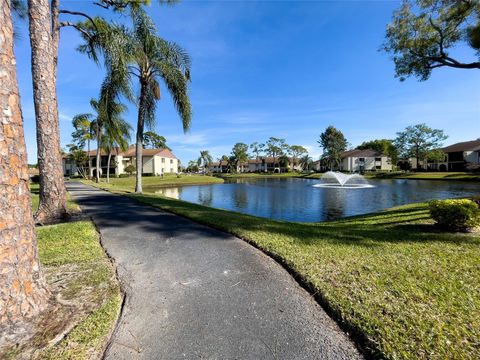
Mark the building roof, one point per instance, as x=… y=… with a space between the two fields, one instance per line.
x=362 y=153
x=167 y=153
x=472 y=145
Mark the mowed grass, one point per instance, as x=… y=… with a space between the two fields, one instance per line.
x=34 y=191
x=405 y=289
x=128 y=183
x=71 y=253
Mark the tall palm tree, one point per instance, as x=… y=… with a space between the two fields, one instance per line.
x=204 y=160
x=139 y=52
x=23 y=290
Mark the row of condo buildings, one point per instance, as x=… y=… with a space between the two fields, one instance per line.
x=155 y=162
x=458 y=157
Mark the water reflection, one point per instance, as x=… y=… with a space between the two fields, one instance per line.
x=297 y=200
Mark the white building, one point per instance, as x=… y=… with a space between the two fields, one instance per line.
x=155 y=161
x=365 y=160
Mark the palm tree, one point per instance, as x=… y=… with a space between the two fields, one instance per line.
x=22 y=284
x=116 y=136
x=141 y=53
x=84 y=133
x=204 y=160
x=306 y=162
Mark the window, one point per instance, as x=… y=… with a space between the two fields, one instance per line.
x=171 y=161
x=163 y=160
x=378 y=159
x=361 y=159
x=378 y=167
x=171 y=170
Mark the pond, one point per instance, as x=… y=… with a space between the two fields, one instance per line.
x=294 y=199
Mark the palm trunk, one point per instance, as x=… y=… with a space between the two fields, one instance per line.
x=139 y=143
x=23 y=291
x=89 y=159
x=108 y=165
x=99 y=158
x=53 y=197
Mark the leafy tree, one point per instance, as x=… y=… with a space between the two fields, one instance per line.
x=417 y=140
x=154 y=141
x=192 y=166
x=306 y=162
x=435 y=155
x=284 y=161
x=141 y=53
x=130 y=169
x=422 y=33
x=116 y=136
x=383 y=146
x=83 y=133
x=81 y=159
x=204 y=160
x=257 y=148
x=333 y=143
x=23 y=290
x=239 y=155
x=296 y=152
x=275 y=147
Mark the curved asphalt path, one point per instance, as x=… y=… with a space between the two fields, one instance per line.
x=197 y=293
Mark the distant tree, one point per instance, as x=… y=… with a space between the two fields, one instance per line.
x=423 y=31
x=204 y=160
x=296 y=152
x=83 y=132
x=192 y=166
x=275 y=147
x=284 y=161
x=417 y=140
x=306 y=162
x=239 y=154
x=333 y=143
x=152 y=140
x=116 y=136
x=130 y=169
x=257 y=149
x=80 y=158
x=383 y=146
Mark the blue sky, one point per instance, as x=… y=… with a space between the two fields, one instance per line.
x=271 y=68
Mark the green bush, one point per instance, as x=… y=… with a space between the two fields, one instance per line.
x=130 y=169
x=148 y=174
x=456 y=214
x=123 y=175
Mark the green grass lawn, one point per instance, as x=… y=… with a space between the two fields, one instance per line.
x=74 y=248
x=427 y=176
x=128 y=183
x=34 y=190
x=405 y=289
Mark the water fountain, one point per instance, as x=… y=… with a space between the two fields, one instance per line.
x=338 y=180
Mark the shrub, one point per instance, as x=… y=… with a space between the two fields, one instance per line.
x=130 y=169
x=148 y=174
x=456 y=214
x=123 y=175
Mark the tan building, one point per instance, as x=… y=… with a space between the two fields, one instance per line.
x=155 y=161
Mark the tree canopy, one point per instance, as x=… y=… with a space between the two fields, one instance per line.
x=383 y=146
x=151 y=140
x=333 y=143
x=422 y=33
x=418 y=140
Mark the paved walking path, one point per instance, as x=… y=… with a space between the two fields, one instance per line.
x=197 y=293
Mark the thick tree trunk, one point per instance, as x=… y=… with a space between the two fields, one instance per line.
x=139 y=143
x=53 y=197
x=22 y=287
x=89 y=160
x=99 y=158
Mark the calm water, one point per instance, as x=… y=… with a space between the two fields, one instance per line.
x=296 y=199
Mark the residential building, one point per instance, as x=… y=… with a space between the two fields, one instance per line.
x=462 y=156
x=155 y=161
x=365 y=160
x=261 y=164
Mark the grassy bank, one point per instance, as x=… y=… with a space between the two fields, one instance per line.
x=404 y=288
x=128 y=183
x=82 y=279
x=463 y=176
x=35 y=189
